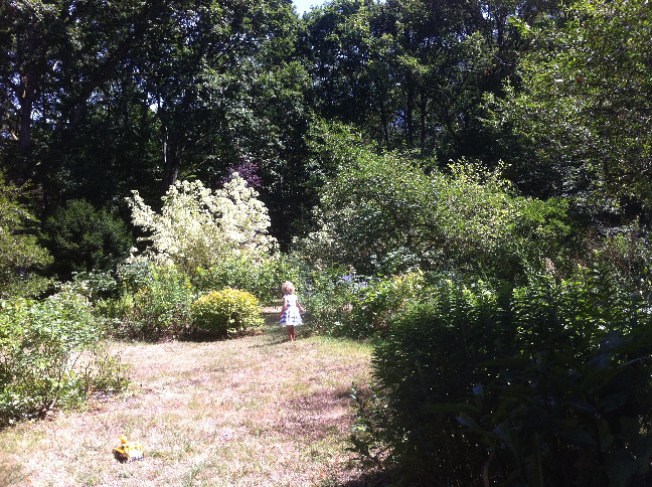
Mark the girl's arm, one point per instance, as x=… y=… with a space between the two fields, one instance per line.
x=301 y=308
x=285 y=305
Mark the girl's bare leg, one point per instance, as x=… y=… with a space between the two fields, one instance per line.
x=291 y=333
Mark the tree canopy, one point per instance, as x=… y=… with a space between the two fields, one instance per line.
x=100 y=101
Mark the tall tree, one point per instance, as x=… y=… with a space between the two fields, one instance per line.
x=579 y=127
x=58 y=53
x=414 y=72
x=195 y=72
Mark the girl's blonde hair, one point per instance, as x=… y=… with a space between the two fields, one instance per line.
x=287 y=287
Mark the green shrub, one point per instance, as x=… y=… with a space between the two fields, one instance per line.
x=197 y=226
x=158 y=310
x=328 y=296
x=348 y=305
x=20 y=253
x=134 y=276
x=229 y=309
x=93 y=285
x=379 y=301
x=383 y=213
x=40 y=344
x=546 y=385
x=83 y=239
x=261 y=277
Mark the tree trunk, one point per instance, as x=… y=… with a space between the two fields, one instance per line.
x=28 y=87
x=422 y=114
x=171 y=162
x=383 y=121
x=26 y=105
x=410 y=110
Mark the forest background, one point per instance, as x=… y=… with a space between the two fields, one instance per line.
x=465 y=182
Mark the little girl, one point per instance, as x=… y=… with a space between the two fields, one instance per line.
x=291 y=313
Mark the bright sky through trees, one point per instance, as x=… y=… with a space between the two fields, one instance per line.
x=304 y=5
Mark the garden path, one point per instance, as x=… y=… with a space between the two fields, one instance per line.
x=252 y=411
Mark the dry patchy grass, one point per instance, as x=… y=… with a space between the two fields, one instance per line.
x=253 y=411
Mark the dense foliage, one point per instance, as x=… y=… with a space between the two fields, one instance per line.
x=467 y=184
x=578 y=123
x=155 y=303
x=261 y=277
x=19 y=248
x=545 y=384
x=228 y=309
x=383 y=213
x=82 y=239
x=197 y=227
x=41 y=360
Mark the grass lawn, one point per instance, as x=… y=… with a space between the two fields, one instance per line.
x=252 y=411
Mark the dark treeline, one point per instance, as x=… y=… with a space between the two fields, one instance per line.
x=99 y=99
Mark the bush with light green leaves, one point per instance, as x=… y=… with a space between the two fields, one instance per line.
x=384 y=213
x=40 y=344
x=228 y=309
x=197 y=227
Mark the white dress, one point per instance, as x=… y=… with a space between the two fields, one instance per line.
x=291 y=316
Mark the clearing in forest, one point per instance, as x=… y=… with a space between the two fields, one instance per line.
x=253 y=411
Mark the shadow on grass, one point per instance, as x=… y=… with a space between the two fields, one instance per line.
x=278 y=335
x=204 y=336
x=198 y=335
x=316 y=416
x=372 y=478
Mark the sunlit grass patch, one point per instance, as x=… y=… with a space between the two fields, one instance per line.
x=258 y=410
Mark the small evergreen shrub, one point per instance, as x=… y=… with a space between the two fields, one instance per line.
x=83 y=239
x=229 y=309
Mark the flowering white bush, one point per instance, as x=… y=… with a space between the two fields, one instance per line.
x=197 y=226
